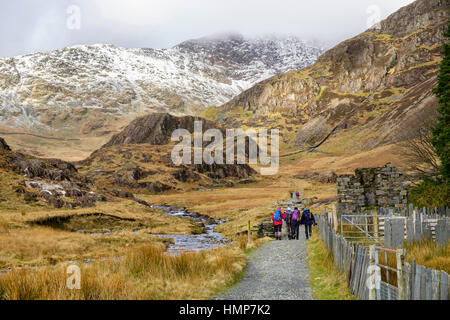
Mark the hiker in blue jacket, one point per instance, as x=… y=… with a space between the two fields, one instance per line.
x=308 y=220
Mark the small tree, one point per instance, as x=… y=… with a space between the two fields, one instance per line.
x=420 y=153
x=441 y=132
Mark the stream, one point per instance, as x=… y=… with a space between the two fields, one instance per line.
x=193 y=242
x=182 y=243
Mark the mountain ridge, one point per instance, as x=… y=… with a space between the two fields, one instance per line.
x=377 y=84
x=184 y=79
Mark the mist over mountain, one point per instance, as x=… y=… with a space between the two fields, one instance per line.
x=85 y=89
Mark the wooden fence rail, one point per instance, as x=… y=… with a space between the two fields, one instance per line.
x=394 y=225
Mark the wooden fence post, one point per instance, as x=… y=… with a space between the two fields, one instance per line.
x=413 y=278
x=387 y=233
x=408 y=280
x=418 y=282
x=428 y=285
x=436 y=281
x=444 y=285
x=335 y=219
x=409 y=230
x=401 y=257
x=375 y=224
x=249 y=232
x=373 y=274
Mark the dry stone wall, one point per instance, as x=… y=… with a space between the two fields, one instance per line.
x=372 y=187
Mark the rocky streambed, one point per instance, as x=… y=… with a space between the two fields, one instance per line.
x=209 y=239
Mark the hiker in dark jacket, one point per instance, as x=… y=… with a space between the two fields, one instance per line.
x=295 y=223
x=288 y=215
x=308 y=220
x=277 y=218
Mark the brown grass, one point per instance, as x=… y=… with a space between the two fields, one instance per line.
x=144 y=273
x=430 y=255
x=4 y=227
x=242 y=242
x=22 y=243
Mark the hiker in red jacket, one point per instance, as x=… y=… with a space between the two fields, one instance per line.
x=277 y=218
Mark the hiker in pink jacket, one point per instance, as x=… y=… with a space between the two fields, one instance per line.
x=277 y=218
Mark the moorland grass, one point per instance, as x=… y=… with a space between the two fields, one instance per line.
x=143 y=273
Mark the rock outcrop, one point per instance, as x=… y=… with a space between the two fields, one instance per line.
x=377 y=85
x=139 y=159
x=4 y=145
x=54 y=181
x=156 y=129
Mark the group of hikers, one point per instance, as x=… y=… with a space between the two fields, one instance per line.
x=293 y=219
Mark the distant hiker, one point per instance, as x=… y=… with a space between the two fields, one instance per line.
x=277 y=218
x=298 y=194
x=308 y=220
x=295 y=223
x=288 y=215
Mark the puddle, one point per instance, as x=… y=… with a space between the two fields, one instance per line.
x=193 y=243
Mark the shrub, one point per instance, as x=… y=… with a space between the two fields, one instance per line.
x=430 y=193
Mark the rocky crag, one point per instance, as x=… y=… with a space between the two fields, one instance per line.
x=51 y=181
x=138 y=159
x=376 y=87
x=94 y=90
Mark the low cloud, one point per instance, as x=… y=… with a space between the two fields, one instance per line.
x=28 y=26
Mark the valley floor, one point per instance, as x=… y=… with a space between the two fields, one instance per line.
x=35 y=236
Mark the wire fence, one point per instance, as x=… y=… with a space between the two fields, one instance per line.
x=387 y=292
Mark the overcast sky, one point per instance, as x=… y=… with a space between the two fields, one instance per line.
x=28 y=26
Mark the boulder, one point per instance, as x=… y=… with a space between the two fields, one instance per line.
x=4 y=145
x=184 y=174
x=265 y=228
x=322 y=177
x=327 y=177
x=155 y=187
x=305 y=176
x=123 y=194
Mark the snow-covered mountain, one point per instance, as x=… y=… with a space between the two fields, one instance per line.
x=87 y=89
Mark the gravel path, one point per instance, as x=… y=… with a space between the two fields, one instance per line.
x=276 y=271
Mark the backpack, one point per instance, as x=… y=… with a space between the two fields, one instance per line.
x=295 y=215
x=288 y=217
x=307 y=215
x=277 y=216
